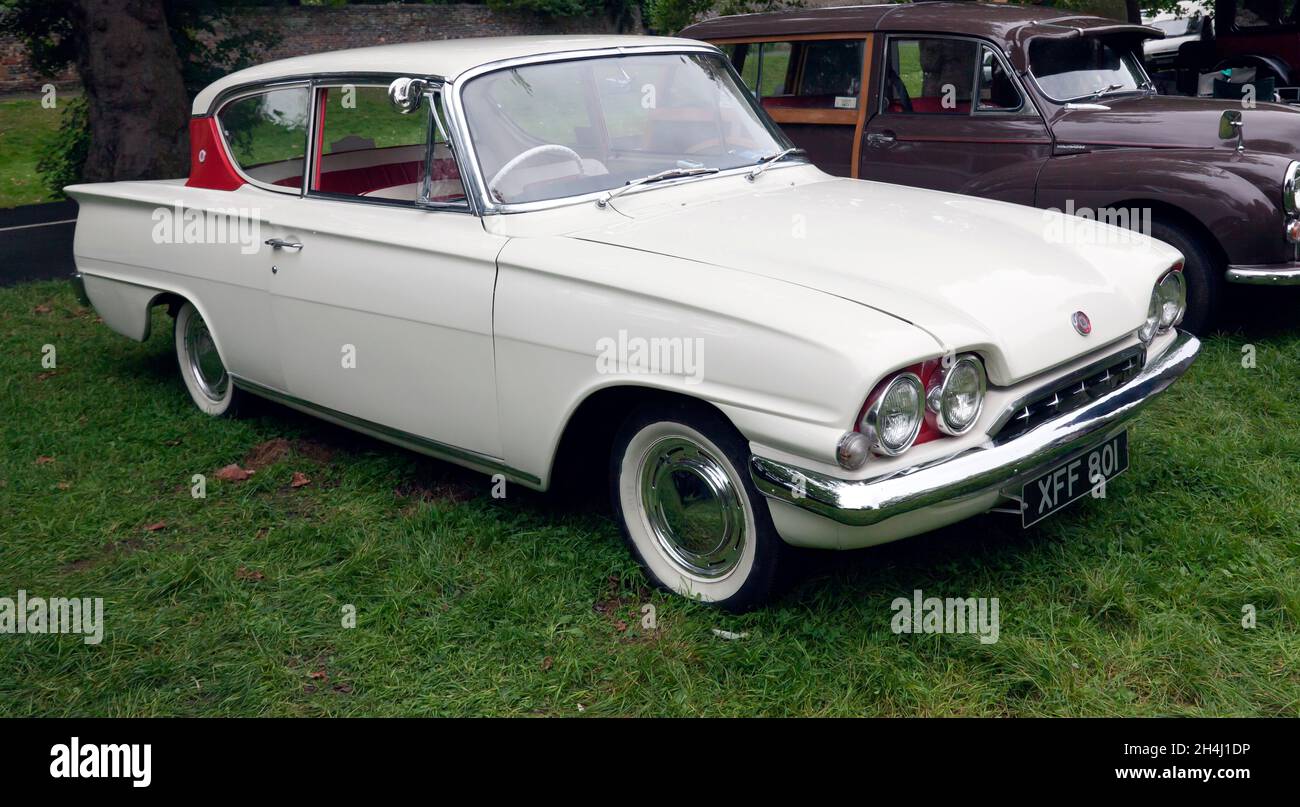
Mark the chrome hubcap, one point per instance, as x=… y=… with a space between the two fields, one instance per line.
x=209 y=372
x=694 y=511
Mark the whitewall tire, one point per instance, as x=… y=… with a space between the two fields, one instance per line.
x=686 y=505
x=202 y=370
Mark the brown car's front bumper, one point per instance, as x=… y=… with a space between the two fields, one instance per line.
x=1266 y=274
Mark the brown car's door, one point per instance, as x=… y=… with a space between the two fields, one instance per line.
x=952 y=118
x=811 y=86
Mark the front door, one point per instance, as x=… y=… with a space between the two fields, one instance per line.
x=953 y=118
x=385 y=312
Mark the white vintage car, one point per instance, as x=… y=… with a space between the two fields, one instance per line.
x=597 y=256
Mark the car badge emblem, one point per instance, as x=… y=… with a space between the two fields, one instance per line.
x=1081 y=323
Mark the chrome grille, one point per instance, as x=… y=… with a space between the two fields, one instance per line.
x=1070 y=393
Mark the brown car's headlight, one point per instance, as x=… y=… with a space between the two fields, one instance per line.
x=1291 y=189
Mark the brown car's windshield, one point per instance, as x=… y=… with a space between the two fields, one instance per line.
x=1083 y=68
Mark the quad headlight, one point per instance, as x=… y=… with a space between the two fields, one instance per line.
x=955 y=395
x=1167 y=305
x=1172 y=290
x=893 y=419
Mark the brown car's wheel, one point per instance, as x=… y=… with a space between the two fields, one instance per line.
x=680 y=485
x=1203 y=272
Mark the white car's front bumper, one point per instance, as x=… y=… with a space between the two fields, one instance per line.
x=814 y=509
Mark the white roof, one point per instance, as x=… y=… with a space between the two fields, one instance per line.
x=447 y=58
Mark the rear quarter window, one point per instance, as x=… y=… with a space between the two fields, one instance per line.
x=267 y=134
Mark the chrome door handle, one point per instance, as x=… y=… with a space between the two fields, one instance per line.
x=280 y=243
x=880 y=138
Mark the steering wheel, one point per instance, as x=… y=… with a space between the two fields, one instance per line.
x=524 y=156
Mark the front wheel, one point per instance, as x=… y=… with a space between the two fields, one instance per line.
x=1201 y=270
x=201 y=367
x=688 y=509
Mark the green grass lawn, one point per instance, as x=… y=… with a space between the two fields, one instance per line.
x=25 y=128
x=231 y=605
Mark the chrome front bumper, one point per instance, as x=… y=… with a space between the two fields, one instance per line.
x=1268 y=274
x=861 y=502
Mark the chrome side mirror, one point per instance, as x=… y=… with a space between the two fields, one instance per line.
x=1231 y=126
x=406 y=93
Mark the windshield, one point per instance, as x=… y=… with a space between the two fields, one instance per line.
x=557 y=129
x=1178 y=27
x=1083 y=67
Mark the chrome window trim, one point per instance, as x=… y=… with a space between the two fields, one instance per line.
x=250 y=87
x=453 y=105
x=263 y=89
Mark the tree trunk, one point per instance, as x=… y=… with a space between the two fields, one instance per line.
x=1134 y=10
x=139 y=111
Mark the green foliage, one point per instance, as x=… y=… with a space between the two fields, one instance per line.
x=45 y=27
x=62 y=160
x=667 y=17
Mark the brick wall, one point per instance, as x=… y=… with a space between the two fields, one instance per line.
x=312 y=29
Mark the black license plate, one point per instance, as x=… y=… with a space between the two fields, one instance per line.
x=1073 y=479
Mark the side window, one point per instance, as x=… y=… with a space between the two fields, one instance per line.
x=998 y=91
x=369 y=149
x=267 y=134
x=930 y=76
x=819 y=74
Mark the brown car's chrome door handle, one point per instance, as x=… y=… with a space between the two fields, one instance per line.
x=280 y=243
x=880 y=138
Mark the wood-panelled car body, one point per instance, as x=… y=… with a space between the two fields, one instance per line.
x=531 y=254
x=1036 y=106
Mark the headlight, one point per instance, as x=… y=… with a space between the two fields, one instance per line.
x=1291 y=189
x=1172 y=290
x=893 y=419
x=956 y=395
x=1148 y=330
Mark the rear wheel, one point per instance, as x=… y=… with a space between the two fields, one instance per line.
x=688 y=509
x=1201 y=270
x=201 y=367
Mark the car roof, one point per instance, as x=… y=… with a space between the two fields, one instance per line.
x=447 y=58
x=1008 y=25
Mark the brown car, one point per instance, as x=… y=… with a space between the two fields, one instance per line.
x=1035 y=106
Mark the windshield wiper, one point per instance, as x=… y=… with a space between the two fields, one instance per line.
x=764 y=162
x=1099 y=93
x=671 y=173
